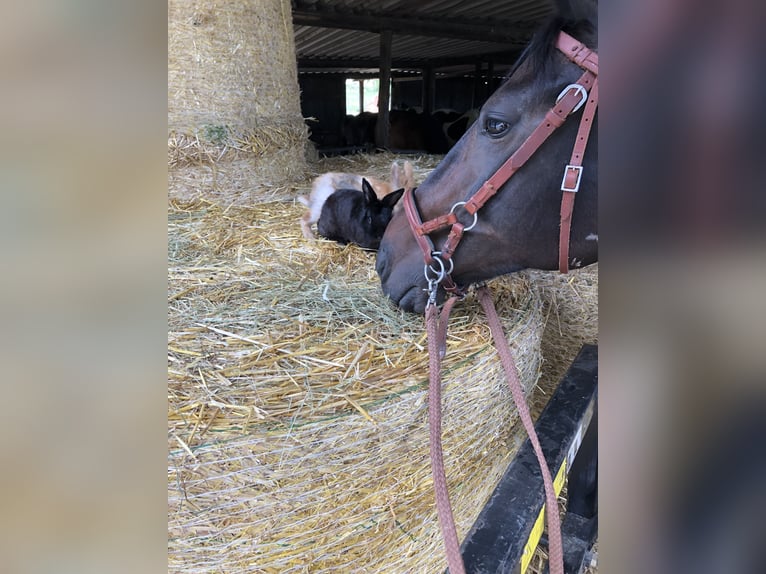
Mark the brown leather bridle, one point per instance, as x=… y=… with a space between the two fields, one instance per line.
x=439 y=264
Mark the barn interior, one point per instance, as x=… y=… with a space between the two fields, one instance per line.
x=441 y=58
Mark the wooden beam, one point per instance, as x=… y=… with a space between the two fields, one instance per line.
x=517 y=33
x=381 y=129
x=500 y=58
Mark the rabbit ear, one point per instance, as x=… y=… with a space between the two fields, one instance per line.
x=395 y=175
x=391 y=199
x=409 y=176
x=369 y=192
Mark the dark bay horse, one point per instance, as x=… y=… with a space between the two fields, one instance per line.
x=519 y=226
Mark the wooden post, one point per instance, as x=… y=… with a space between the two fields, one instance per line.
x=361 y=96
x=381 y=128
x=429 y=83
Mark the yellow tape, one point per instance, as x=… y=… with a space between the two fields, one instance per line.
x=537 y=529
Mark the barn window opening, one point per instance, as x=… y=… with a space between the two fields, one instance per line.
x=362 y=96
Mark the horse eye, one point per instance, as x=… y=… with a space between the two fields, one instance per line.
x=495 y=127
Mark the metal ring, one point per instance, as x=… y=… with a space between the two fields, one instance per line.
x=475 y=216
x=437 y=256
x=583 y=95
x=440 y=274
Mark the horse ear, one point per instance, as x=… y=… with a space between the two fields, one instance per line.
x=369 y=193
x=391 y=199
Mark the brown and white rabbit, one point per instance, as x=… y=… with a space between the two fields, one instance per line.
x=327 y=184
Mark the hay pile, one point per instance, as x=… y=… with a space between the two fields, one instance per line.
x=235 y=130
x=376 y=165
x=297 y=402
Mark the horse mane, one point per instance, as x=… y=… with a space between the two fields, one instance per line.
x=543 y=43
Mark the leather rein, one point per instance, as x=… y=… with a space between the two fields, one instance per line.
x=438 y=271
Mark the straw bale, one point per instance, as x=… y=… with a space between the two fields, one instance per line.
x=233 y=176
x=230 y=63
x=234 y=118
x=297 y=413
x=571 y=316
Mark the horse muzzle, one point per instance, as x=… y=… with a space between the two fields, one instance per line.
x=401 y=276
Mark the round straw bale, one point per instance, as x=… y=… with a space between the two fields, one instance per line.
x=298 y=436
x=235 y=128
x=571 y=316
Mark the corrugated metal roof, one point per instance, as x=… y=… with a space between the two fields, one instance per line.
x=315 y=42
x=444 y=32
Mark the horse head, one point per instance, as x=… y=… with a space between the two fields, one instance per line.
x=519 y=225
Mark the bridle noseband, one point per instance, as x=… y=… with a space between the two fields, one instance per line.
x=438 y=263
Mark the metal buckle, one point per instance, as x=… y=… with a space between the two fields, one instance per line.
x=578 y=169
x=583 y=95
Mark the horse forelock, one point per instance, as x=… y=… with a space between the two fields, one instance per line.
x=538 y=54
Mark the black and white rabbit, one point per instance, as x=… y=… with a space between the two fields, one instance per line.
x=329 y=183
x=353 y=216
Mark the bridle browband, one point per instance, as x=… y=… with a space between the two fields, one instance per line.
x=439 y=264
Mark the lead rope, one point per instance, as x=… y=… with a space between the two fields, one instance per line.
x=436 y=329
x=555 y=548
